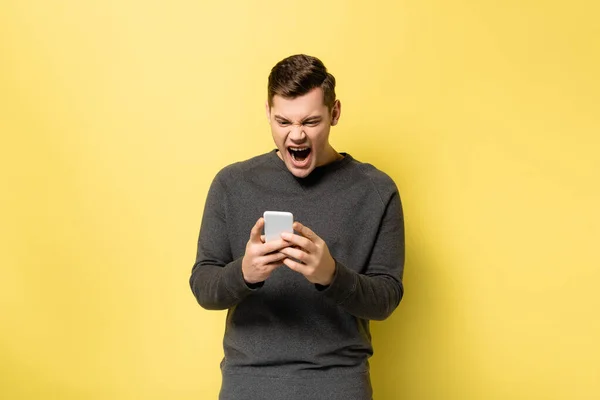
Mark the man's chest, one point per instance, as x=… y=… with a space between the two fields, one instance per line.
x=347 y=222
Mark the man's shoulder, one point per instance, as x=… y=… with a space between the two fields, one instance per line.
x=238 y=169
x=380 y=179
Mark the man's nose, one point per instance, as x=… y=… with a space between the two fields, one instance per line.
x=297 y=134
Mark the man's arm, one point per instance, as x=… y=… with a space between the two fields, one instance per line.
x=216 y=280
x=373 y=295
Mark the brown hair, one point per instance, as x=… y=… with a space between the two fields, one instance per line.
x=297 y=75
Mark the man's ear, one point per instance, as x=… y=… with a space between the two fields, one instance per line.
x=336 y=112
x=268 y=111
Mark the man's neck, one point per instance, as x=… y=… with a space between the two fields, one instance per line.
x=333 y=157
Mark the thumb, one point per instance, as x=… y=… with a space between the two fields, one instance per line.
x=256 y=231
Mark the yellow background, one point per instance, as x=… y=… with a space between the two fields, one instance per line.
x=115 y=116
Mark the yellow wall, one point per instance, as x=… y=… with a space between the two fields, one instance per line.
x=115 y=116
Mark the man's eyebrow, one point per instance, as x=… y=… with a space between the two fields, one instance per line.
x=306 y=119
x=312 y=118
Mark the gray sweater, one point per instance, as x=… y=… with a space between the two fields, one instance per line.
x=288 y=338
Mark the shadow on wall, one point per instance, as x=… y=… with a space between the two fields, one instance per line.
x=403 y=344
x=416 y=348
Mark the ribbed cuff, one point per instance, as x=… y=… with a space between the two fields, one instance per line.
x=343 y=284
x=233 y=278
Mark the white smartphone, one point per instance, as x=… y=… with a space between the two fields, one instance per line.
x=277 y=222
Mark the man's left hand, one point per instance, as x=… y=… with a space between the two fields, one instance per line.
x=315 y=261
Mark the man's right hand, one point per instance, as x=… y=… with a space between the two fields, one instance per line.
x=261 y=258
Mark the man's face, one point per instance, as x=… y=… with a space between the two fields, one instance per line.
x=300 y=129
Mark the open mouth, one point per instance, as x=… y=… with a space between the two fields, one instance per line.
x=299 y=154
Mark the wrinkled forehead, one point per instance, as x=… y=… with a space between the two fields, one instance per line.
x=301 y=107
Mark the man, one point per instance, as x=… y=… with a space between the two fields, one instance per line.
x=299 y=307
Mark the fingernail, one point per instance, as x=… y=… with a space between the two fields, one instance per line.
x=286 y=235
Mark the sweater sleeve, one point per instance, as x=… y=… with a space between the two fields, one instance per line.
x=217 y=281
x=376 y=293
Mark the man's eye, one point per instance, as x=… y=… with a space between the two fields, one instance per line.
x=283 y=123
x=311 y=123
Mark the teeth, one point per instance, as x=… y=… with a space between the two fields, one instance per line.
x=298 y=149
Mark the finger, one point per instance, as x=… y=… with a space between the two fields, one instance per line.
x=296 y=266
x=297 y=254
x=300 y=241
x=271 y=258
x=256 y=231
x=306 y=232
x=274 y=245
x=273 y=266
x=262 y=238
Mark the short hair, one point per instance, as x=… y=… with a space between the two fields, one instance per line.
x=297 y=75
